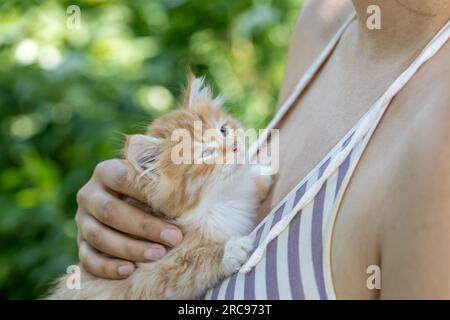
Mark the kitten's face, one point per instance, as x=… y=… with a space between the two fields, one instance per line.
x=185 y=152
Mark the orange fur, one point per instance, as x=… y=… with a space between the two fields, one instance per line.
x=177 y=191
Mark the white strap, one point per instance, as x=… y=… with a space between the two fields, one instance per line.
x=300 y=86
x=367 y=126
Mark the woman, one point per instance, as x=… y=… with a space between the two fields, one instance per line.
x=389 y=207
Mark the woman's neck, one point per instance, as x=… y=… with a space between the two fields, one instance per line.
x=406 y=25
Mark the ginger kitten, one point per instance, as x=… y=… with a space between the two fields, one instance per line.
x=214 y=204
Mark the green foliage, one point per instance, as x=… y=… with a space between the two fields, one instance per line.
x=67 y=95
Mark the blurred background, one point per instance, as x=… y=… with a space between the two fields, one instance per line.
x=67 y=94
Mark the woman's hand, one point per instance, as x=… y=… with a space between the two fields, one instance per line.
x=108 y=227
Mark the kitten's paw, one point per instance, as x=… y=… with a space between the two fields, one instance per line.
x=236 y=253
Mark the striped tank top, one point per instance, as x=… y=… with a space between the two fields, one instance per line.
x=292 y=255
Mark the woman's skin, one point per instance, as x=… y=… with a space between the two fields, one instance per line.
x=105 y=222
x=395 y=213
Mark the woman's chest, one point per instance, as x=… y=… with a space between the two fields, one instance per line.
x=309 y=132
x=315 y=125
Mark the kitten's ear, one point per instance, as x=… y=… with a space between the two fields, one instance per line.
x=142 y=152
x=198 y=94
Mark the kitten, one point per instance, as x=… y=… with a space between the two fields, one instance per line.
x=214 y=204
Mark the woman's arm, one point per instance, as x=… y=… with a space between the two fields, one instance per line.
x=109 y=227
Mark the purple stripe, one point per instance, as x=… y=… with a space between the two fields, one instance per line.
x=299 y=194
x=316 y=241
x=215 y=292
x=271 y=261
x=347 y=141
x=323 y=167
x=316 y=236
x=343 y=169
x=295 y=278
x=229 y=294
x=249 y=284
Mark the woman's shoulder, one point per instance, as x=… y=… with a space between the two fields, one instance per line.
x=428 y=95
x=317 y=23
x=322 y=18
x=424 y=136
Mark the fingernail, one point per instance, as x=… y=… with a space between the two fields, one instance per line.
x=170 y=236
x=125 y=270
x=154 y=253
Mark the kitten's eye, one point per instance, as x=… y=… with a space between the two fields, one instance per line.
x=224 y=130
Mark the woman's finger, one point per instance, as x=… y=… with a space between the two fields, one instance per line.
x=126 y=218
x=117 y=244
x=102 y=266
x=114 y=175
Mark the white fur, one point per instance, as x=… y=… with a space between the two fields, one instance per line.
x=229 y=206
x=236 y=252
x=200 y=94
